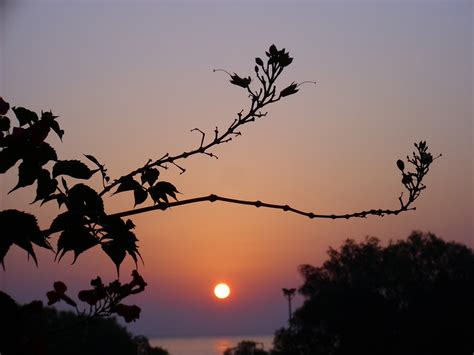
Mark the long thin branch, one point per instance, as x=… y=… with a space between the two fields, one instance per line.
x=213 y=198
x=226 y=136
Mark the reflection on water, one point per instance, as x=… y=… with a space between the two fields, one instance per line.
x=207 y=345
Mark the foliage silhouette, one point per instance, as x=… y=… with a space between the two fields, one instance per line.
x=411 y=297
x=83 y=222
x=246 y=347
x=35 y=330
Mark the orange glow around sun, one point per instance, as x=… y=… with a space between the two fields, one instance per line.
x=222 y=291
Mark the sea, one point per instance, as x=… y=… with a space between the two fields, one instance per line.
x=208 y=345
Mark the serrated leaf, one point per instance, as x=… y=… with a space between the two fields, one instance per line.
x=48 y=118
x=55 y=127
x=22 y=229
x=39 y=131
x=27 y=174
x=150 y=176
x=84 y=200
x=60 y=199
x=41 y=154
x=25 y=116
x=119 y=240
x=77 y=239
x=162 y=190
x=46 y=186
x=8 y=158
x=127 y=184
x=73 y=168
x=67 y=220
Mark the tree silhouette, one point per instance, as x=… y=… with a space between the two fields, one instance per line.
x=246 y=347
x=83 y=223
x=411 y=297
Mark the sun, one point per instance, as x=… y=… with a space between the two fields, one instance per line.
x=222 y=290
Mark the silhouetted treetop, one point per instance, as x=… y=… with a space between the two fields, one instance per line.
x=412 y=297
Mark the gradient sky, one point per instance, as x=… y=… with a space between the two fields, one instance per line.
x=130 y=79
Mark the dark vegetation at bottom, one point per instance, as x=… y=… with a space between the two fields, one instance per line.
x=32 y=329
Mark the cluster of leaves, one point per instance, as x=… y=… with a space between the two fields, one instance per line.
x=158 y=191
x=413 y=296
x=85 y=223
x=103 y=300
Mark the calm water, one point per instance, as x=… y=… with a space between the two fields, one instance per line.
x=207 y=345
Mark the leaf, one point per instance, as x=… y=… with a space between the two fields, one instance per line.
x=259 y=61
x=84 y=200
x=119 y=240
x=73 y=168
x=55 y=127
x=150 y=176
x=25 y=116
x=115 y=252
x=140 y=195
x=60 y=199
x=8 y=158
x=77 y=239
x=27 y=174
x=22 y=229
x=4 y=106
x=161 y=190
x=67 y=220
x=93 y=159
x=129 y=184
x=41 y=154
x=39 y=131
x=46 y=186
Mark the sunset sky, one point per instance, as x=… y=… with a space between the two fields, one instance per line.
x=129 y=81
